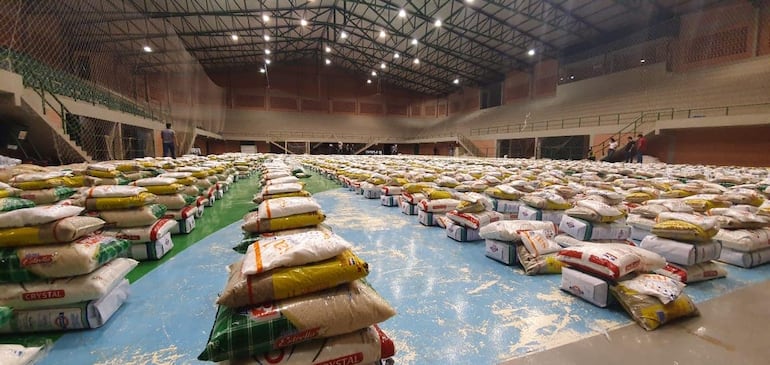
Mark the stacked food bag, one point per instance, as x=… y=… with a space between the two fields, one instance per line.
x=686 y=242
x=186 y=215
x=56 y=272
x=412 y=194
x=473 y=212
x=744 y=235
x=527 y=242
x=298 y=290
x=592 y=220
x=42 y=188
x=545 y=205
x=105 y=174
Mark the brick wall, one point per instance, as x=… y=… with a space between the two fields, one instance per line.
x=743 y=146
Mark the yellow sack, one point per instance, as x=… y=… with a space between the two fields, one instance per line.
x=74 y=181
x=375 y=180
x=537 y=265
x=39 y=184
x=4 y=193
x=400 y=181
x=499 y=194
x=200 y=174
x=672 y=194
x=469 y=207
x=648 y=311
x=128 y=167
x=253 y=224
x=413 y=188
x=165 y=189
x=61 y=231
x=103 y=174
x=704 y=205
x=683 y=231
x=286 y=282
x=639 y=197
x=190 y=180
x=138 y=200
x=434 y=194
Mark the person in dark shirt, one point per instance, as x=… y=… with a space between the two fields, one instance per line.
x=630 y=150
x=169 y=140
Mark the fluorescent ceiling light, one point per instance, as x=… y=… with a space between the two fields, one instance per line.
x=374 y=73
x=456 y=81
x=416 y=61
x=261 y=70
x=328 y=49
x=382 y=65
x=531 y=52
x=343 y=34
x=234 y=37
x=147 y=49
x=267 y=62
x=368 y=81
x=383 y=34
x=267 y=37
x=437 y=23
x=414 y=41
x=265 y=17
x=267 y=51
x=396 y=55
x=328 y=61
x=303 y=22
x=402 y=13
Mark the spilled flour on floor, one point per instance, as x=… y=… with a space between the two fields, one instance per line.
x=166 y=356
x=347 y=216
x=482 y=287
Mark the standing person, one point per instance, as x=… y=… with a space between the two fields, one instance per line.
x=591 y=156
x=169 y=140
x=611 y=149
x=641 y=147
x=630 y=150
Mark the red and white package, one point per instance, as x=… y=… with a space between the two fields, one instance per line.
x=599 y=259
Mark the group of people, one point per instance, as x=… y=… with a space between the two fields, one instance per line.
x=631 y=152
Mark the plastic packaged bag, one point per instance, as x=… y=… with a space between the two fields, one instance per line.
x=111 y=203
x=648 y=311
x=292 y=250
x=253 y=224
x=282 y=207
x=537 y=265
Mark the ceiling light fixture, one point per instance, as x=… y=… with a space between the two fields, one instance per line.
x=402 y=13
x=262 y=70
x=303 y=22
x=531 y=52
x=437 y=23
x=382 y=65
x=265 y=18
x=343 y=34
x=571 y=77
x=267 y=37
x=396 y=55
x=383 y=34
x=267 y=51
x=416 y=61
x=642 y=60
x=469 y=1
x=414 y=41
x=456 y=81
x=234 y=37
x=328 y=61
x=267 y=62
x=368 y=81
x=328 y=49
x=374 y=73
x=147 y=49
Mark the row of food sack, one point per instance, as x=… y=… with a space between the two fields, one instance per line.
x=637 y=236
x=298 y=295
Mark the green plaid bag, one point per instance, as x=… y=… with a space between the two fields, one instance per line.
x=83 y=256
x=240 y=333
x=11 y=203
x=5 y=315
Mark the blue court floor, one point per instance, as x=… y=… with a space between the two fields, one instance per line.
x=455 y=306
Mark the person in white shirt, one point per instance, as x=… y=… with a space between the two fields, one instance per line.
x=613 y=146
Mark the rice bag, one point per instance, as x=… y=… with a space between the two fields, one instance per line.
x=648 y=311
x=704 y=202
x=37 y=215
x=438 y=205
x=414 y=198
x=744 y=240
x=282 y=207
x=113 y=191
x=509 y=230
x=282 y=180
x=693 y=273
x=143 y=234
x=365 y=346
x=474 y=220
x=47 y=196
x=286 y=282
x=259 y=198
x=546 y=200
x=63 y=230
x=239 y=333
x=662 y=287
x=112 y=203
x=11 y=203
x=292 y=250
x=136 y=217
x=67 y=317
x=38 y=181
x=610 y=262
x=40 y=294
x=82 y=256
x=11 y=354
x=744 y=196
x=174 y=201
x=685 y=227
x=537 y=265
x=539 y=242
x=745 y=259
x=680 y=252
x=595 y=211
x=154 y=181
x=252 y=222
x=730 y=218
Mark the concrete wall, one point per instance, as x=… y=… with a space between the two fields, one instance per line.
x=740 y=145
